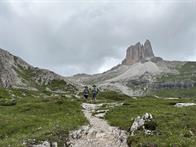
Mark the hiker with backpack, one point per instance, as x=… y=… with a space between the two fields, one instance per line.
x=86 y=92
x=94 y=92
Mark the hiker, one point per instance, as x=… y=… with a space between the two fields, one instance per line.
x=86 y=92
x=95 y=92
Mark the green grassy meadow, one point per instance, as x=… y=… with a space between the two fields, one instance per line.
x=36 y=117
x=176 y=127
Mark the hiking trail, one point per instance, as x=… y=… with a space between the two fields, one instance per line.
x=98 y=133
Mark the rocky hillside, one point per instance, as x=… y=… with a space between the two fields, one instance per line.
x=142 y=73
x=16 y=73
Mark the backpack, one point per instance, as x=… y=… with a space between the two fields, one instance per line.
x=85 y=92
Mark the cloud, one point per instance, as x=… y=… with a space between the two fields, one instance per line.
x=83 y=36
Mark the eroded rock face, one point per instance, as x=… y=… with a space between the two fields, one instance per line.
x=148 y=52
x=8 y=64
x=173 y=85
x=138 y=52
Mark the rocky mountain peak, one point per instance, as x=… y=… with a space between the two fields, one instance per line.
x=148 y=52
x=138 y=52
x=7 y=59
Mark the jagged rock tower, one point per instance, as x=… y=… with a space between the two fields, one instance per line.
x=138 y=52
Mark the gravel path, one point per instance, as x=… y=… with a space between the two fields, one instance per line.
x=98 y=133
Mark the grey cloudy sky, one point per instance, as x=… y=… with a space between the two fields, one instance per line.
x=76 y=36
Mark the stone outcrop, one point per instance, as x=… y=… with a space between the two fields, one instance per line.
x=145 y=123
x=138 y=52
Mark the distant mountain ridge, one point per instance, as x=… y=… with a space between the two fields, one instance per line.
x=142 y=72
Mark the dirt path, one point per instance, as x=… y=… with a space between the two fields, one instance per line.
x=98 y=133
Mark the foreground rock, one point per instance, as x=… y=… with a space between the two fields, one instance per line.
x=98 y=133
x=146 y=123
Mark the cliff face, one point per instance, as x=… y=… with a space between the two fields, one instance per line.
x=8 y=64
x=138 y=52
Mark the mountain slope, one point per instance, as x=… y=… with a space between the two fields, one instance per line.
x=16 y=73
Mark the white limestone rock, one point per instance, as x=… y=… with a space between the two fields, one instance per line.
x=184 y=104
x=139 y=123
